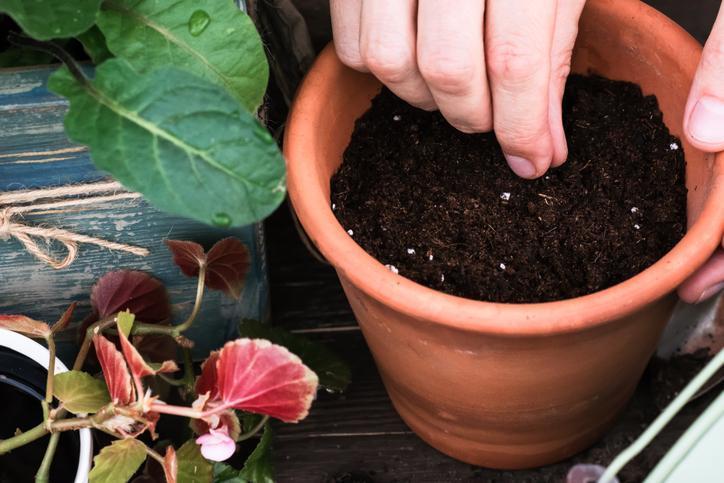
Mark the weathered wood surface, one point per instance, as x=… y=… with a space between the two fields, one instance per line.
x=35 y=153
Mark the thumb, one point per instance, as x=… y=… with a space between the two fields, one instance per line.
x=704 y=116
x=707 y=281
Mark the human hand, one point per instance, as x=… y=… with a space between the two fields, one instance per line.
x=504 y=69
x=704 y=128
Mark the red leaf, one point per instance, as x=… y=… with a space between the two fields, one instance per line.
x=115 y=371
x=166 y=367
x=64 y=320
x=227 y=263
x=170 y=465
x=138 y=292
x=24 y=325
x=138 y=366
x=207 y=380
x=257 y=376
x=188 y=255
x=227 y=266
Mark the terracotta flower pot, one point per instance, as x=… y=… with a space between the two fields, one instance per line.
x=510 y=385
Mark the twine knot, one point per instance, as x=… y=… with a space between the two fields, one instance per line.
x=18 y=203
x=5 y=215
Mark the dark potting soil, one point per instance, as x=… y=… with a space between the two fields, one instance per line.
x=442 y=207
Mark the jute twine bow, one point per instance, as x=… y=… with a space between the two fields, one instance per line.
x=16 y=204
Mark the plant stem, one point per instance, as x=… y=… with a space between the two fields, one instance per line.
x=51 y=48
x=253 y=431
x=140 y=328
x=51 y=368
x=177 y=410
x=154 y=455
x=42 y=476
x=23 y=438
x=188 y=368
x=199 y=298
x=89 y=333
x=70 y=424
x=171 y=380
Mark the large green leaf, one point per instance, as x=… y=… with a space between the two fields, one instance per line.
x=224 y=473
x=333 y=372
x=258 y=467
x=192 y=466
x=55 y=19
x=180 y=140
x=118 y=462
x=80 y=392
x=94 y=44
x=211 y=38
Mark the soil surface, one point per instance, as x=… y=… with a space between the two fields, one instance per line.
x=442 y=208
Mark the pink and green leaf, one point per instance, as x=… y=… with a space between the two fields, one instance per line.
x=257 y=376
x=115 y=370
x=206 y=382
x=170 y=465
x=138 y=366
x=25 y=325
x=64 y=320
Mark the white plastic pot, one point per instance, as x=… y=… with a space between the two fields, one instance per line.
x=39 y=354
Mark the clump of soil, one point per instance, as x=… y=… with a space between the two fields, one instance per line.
x=443 y=209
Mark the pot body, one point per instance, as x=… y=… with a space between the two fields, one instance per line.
x=506 y=385
x=502 y=401
x=27 y=366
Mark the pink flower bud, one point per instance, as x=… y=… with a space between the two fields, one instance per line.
x=216 y=445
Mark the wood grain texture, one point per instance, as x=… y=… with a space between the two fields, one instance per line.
x=35 y=153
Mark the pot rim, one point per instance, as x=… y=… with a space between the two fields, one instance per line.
x=39 y=354
x=503 y=319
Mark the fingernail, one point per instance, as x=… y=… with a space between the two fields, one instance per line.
x=706 y=123
x=710 y=291
x=521 y=166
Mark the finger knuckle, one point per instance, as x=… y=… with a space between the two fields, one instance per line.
x=562 y=68
x=514 y=60
x=522 y=139
x=389 y=65
x=451 y=74
x=349 y=57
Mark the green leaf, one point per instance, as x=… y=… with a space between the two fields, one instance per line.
x=94 y=43
x=211 y=38
x=80 y=392
x=125 y=321
x=192 y=466
x=178 y=139
x=258 y=467
x=333 y=372
x=118 y=462
x=224 y=473
x=45 y=20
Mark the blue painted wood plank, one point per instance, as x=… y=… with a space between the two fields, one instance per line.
x=35 y=153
